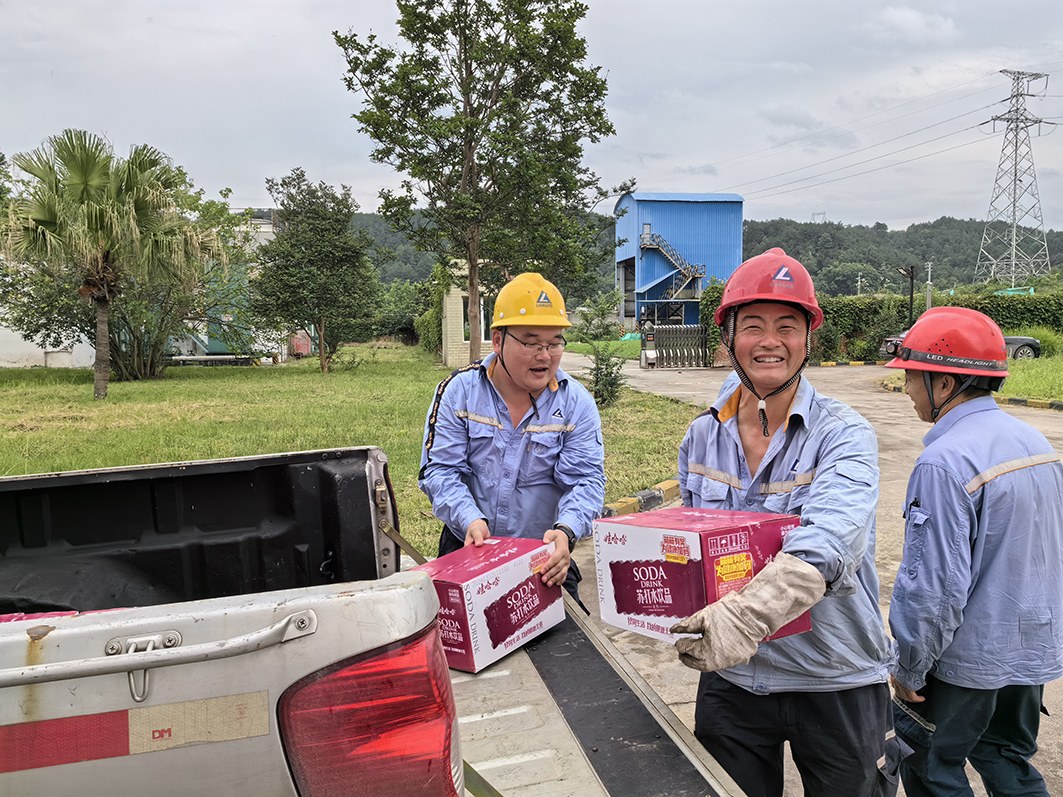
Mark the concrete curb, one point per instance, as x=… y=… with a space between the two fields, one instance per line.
x=1041 y=404
x=644 y=500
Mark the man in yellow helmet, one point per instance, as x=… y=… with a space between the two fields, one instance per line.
x=512 y=444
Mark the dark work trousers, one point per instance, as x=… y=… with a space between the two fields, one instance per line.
x=994 y=729
x=837 y=739
x=449 y=541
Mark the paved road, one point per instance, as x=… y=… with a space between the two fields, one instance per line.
x=900 y=435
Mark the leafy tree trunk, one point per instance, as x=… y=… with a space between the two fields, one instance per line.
x=323 y=356
x=496 y=101
x=475 y=335
x=102 y=366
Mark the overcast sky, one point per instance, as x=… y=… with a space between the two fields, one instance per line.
x=783 y=103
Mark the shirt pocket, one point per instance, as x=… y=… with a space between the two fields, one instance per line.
x=1035 y=630
x=916 y=529
x=787 y=503
x=485 y=456
x=542 y=451
x=708 y=493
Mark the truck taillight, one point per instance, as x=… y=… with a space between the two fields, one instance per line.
x=380 y=724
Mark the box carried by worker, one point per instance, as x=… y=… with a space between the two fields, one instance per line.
x=492 y=599
x=657 y=568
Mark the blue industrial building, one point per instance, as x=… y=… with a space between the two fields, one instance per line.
x=672 y=244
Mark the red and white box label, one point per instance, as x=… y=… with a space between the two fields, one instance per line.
x=656 y=568
x=492 y=599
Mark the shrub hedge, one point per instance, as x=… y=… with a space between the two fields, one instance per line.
x=854 y=326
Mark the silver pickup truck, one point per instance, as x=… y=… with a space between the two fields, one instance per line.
x=242 y=627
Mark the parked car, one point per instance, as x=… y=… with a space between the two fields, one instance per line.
x=1019 y=347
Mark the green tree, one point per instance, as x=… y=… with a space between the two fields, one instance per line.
x=5 y=183
x=845 y=279
x=401 y=302
x=40 y=299
x=485 y=110
x=599 y=318
x=219 y=305
x=110 y=219
x=315 y=275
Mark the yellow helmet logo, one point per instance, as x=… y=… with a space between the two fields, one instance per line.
x=529 y=300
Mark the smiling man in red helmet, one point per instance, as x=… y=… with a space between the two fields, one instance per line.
x=977 y=608
x=772 y=443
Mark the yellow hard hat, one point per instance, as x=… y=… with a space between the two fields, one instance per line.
x=528 y=300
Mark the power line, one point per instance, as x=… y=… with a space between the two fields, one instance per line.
x=847 y=129
x=869 y=160
x=864 y=149
x=870 y=171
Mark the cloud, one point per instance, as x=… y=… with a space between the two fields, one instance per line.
x=910 y=26
x=792 y=126
x=705 y=168
x=703 y=96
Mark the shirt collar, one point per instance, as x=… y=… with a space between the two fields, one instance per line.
x=957 y=414
x=488 y=363
x=726 y=405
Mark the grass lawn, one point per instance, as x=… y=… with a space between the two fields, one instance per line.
x=628 y=349
x=376 y=396
x=1033 y=379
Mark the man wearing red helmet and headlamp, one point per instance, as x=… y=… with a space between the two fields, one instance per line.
x=772 y=443
x=977 y=608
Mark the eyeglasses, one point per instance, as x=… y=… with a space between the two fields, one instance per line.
x=536 y=348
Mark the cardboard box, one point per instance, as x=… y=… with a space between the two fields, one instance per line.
x=492 y=599
x=656 y=568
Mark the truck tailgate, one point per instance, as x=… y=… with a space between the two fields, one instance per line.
x=81 y=694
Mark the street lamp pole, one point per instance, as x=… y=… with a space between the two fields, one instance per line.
x=909 y=272
x=929 y=284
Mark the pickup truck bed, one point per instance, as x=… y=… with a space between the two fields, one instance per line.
x=142 y=536
x=254 y=587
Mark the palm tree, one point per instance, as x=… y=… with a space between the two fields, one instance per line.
x=109 y=217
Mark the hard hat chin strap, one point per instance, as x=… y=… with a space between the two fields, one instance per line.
x=501 y=359
x=762 y=406
x=935 y=410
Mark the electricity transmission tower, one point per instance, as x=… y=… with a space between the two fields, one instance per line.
x=1014 y=247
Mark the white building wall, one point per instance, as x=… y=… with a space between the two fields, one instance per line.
x=455 y=344
x=15 y=352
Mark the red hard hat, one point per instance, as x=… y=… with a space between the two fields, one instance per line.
x=954 y=340
x=771 y=277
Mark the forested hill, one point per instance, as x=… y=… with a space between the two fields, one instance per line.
x=395 y=256
x=838 y=255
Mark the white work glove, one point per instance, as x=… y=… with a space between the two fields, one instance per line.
x=733 y=627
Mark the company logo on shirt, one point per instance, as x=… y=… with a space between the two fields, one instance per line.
x=543 y=300
x=783 y=275
x=558 y=414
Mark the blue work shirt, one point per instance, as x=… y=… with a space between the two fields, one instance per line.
x=978 y=600
x=475 y=464
x=822 y=465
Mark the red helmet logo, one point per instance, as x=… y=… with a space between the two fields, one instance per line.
x=771 y=277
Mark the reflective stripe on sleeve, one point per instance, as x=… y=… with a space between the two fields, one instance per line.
x=987 y=476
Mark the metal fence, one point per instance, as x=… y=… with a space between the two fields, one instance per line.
x=682 y=346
